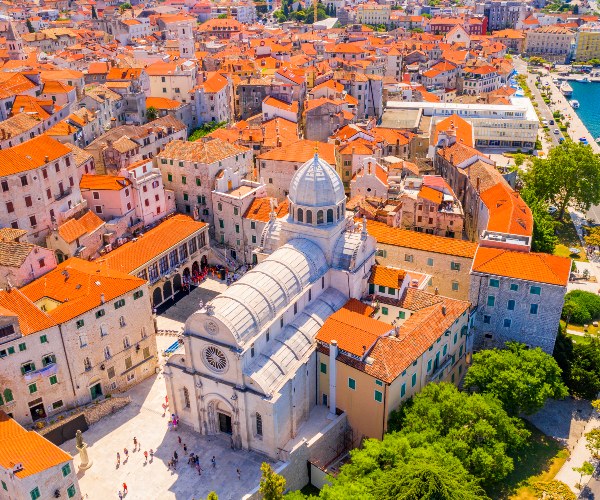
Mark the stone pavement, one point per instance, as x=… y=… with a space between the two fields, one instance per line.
x=144 y=419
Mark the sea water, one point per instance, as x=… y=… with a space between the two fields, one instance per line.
x=588 y=95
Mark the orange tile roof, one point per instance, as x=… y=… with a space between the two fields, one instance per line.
x=77 y=285
x=536 y=267
x=354 y=332
x=301 y=151
x=31 y=154
x=454 y=123
x=508 y=212
x=276 y=103
x=162 y=103
x=31 y=318
x=359 y=307
x=28 y=448
x=431 y=194
x=75 y=228
x=201 y=151
x=387 y=276
x=261 y=208
x=420 y=241
x=169 y=233
x=104 y=182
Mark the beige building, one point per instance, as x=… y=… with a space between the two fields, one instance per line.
x=367 y=367
x=173 y=80
x=447 y=260
x=38 y=186
x=168 y=256
x=552 y=42
x=78 y=237
x=32 y=467
x=190 y=169
x=587 y=42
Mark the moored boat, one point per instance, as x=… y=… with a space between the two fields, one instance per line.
x=566 y=89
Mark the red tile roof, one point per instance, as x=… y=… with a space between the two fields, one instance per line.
x=31 y=154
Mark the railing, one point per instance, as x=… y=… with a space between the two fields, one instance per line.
x=445 y=364
x=64 y=194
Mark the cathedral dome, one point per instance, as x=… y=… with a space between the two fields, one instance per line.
x=316 y=184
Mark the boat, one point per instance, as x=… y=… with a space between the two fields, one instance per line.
x=575 y=104
x=566 y=89
x=585 y=79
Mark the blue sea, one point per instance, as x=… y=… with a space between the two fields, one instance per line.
x=588 y=95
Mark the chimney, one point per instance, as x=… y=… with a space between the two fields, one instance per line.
x=444 y=310
x=101 y=298
x=333 y=352
x=478 y=184
x=46 y=159
x=436 y=291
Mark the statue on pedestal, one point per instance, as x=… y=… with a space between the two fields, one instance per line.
x=82 y=449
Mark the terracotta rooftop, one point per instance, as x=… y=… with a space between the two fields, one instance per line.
x=169 y=233
x=508 y=213
x=301 y=151
x=260 y=209
x=28 y=448
x=387 y=276
x=31 y=318
x=535 y=267
x=201 y=151
x=420 y=241
x=76 y=228
x=104 y=182
x=30 y=155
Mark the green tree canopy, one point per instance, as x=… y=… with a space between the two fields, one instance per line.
x=580 y=362
x=521 y=378
x=272 y=484
x=581 y=307
x=151 y=113
x=569 y=176
x=29 y=26
x=474 y=427
x=543 y=238
x=393 y=469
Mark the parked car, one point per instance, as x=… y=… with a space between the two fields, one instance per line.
x=556 y=131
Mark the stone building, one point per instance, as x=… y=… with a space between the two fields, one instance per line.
x=518 y=296
x=249 y=368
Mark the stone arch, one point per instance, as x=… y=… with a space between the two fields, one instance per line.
x=203 y=262
x=300 y=217
x=177 y=282
x=195 y=268
x=167 y=290
x=309 y=219
x=218 y=404
x=320 y=217
x=157 y=296
x=330 y=216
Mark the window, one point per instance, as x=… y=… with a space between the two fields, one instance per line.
x=487 y=319
x=126 y=343
x=119 y=303
x=87 y=364
x=5 y=186
x=323 y=368
x=507 y=323
x=24 y=180
x=10 y=208
x=35 y=493
x=33 y=221
x=352 y=383
x=403 y=390
x=455 y=286
x=138 y=294
x=100 y=313
x=79 y=323
x=455 y=266
x=170 y=177
x=43 y=339
x=535 y=290
x=408 y=258
x=491 y=301
x=8 y=395
x=111 y=372
x=48 y=359
x=71 y=491
x=252 y=225
x=533 y=309
x=107 y=353
x=4 y=486
x=378 y=396
x=510 y=305
x=22 y=347
x=66 y=470
x=259 y=424
x=414 y=379
x=186 y=398
x=128 y=363
x=32 y=388
x=494 y=283
x=379 y=382
x=28 y=202
x=83 y=340
x=146 y=352
x=430 y=261
x=514 y=287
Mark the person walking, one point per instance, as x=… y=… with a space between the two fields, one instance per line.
x=175 y=455
x=199 y=469
x=179 y=439
x=239 y=473
x=145 y=456
x=120 y=495
x=118 y=459
x=185 y=448
x=125 y=488
x=214 y=461
x=135 y=443
x=126 y=453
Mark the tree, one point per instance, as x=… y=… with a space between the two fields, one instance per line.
x=593 y=441
x=125 y=6
x=212 y=496
x=474 y=427
x=393 y=469
x=586 y=469
x=521 y=378
x=543 y=237
x=553 y=490
x=569 y=176
x=222 y=16
x=29 y=26
x=151 y=113
x=593 y=237
x=585 y=306
x=272 y=484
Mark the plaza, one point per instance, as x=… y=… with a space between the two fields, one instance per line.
x=145 y=419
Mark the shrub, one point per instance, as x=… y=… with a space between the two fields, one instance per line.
x=585 y=306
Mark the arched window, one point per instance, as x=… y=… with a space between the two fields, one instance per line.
x=259 y=430
x=8 y=395
x=186 y=397
x=320 y=217
x=309 y=216
x=122 y=321
x=300 y=215
x=126 y=343
x=330 y=216
x=107 y=354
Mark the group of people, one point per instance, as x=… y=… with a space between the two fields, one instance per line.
x=136 y=447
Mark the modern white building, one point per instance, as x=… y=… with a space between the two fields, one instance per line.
x=249 y=368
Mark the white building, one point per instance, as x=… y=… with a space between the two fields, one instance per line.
x=249 y=368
